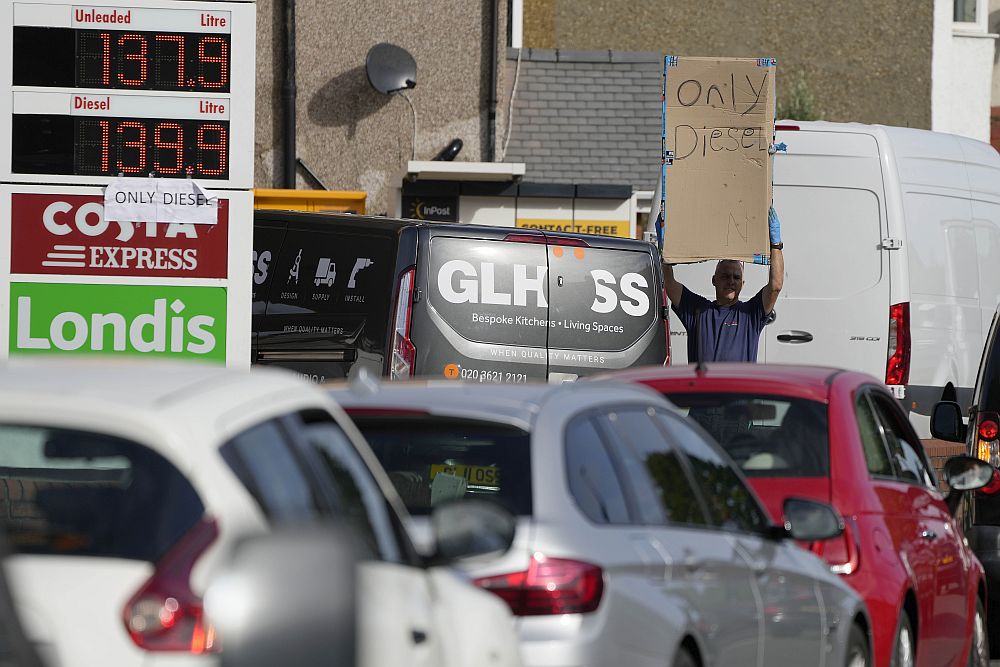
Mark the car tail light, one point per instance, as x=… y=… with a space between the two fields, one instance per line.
x=897 y=369
x=842 y=553
x=404 y=353
x=785 y=128
x=992 y=486
x=666 y=326
x=549 y=586
x=986 y=439
x=165 y=615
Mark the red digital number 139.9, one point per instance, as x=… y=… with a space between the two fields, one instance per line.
x=140 y=147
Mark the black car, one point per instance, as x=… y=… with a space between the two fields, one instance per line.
x=407 y=298
x=982 y=436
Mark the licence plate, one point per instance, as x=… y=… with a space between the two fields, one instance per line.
x=479 y=475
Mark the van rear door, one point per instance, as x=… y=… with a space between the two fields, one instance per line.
x=328 y=306
x=834 y=306
x=486 y=314
x=605 y=305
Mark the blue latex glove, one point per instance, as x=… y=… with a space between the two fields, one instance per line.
x=774 y=225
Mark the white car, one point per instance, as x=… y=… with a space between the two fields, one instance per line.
x=123 y=485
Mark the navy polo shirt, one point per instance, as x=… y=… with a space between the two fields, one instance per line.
x=725 y=333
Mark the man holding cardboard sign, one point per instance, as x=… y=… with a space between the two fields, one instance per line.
x=728 y=329
x=718 y=126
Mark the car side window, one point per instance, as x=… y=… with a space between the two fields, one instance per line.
x=904 y=448
x=656 y=471
x=876 y=455
x=731 y=505
x=591 y=474
x=264 y=460
x=360 y=500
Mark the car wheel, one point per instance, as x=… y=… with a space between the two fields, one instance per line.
x=904 y=648
x=857 y=648
x=685 y=659
x=979 y=651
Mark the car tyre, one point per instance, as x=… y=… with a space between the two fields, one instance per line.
x=858 y=654
x=979 y=649
x=905 y=645
x=684 y=659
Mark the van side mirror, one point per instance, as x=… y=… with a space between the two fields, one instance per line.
x=809 y=520
x=470 y=527
x=946 y=422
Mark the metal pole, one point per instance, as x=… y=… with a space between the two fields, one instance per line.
x=289 y=94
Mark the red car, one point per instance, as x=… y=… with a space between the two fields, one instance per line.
x=840 y=437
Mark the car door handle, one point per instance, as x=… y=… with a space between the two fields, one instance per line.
x=795 y=337
x=928 y=535
x=418 y=636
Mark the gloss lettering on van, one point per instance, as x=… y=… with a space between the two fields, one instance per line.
x=459 y=282
x=606 y=299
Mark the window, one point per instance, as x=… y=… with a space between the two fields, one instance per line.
x=264 y=461
x=731 y=505
x=592 y=478
x=988 y=381
x=965 y=11
x=903 y=446
x=361 y=502
x=76 y=493
x=876 y=456
x=767 y=436
x=655 y=472
x=432 y=460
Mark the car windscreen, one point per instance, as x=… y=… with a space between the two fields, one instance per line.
x=767 y=436
x=75 y=493
x=432 y=460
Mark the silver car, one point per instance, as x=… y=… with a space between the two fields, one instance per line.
x=638 y=541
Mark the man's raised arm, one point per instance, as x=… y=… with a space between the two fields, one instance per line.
x=776 y=275
x=674 y=288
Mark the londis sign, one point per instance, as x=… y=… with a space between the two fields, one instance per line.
x=142 y=320
x=68 y=235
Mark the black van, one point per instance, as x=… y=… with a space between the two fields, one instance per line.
x=407 y=298
x=982 y=437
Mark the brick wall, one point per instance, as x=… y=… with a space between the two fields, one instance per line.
x=939 y=451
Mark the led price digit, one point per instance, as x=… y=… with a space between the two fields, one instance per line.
x=218 y=147
x=160 y=144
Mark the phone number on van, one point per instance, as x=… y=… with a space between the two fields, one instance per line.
x=499 y=377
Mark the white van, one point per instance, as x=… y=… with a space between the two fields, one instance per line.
x=892 y=257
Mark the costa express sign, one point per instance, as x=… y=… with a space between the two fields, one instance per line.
x=144 y=320
x=68 y=235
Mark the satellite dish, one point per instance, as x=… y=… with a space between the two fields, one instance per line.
x=390 y=68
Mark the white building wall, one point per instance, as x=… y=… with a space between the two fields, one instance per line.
x=961 y=73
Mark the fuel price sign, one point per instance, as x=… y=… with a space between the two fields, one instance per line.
x=137 y=88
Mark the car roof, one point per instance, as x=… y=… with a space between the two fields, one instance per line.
x=183 y=403
x=138 y=384
x=514 y=404
x=793 y=379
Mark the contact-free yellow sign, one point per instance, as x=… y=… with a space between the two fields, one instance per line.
x=602 y=227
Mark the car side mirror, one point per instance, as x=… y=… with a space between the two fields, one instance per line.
x=946 y=422
x=288 y=598
x=809 y=520
x=469 y=527
x=966 y=473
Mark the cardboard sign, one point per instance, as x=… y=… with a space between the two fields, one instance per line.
x=70 y=235
x=719 y=125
